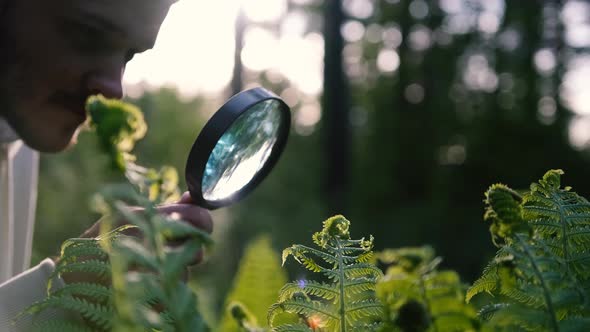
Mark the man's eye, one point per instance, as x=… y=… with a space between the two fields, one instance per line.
x=86 y=38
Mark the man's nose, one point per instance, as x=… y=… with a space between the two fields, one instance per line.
x=107 y=82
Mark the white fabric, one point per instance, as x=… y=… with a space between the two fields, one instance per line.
x=19 y=292
x=7 y=135
x=19 y=287
x=18 y=195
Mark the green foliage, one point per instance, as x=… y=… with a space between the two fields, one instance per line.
x=419 y=297
x=539 y=277
x=256 y=285
x=118 y=125
x=158 y=185
x=243 y=320
x=89 y=303
x=561 y=219
x=133 y=284
x=153 y=294
x=77 y=173
x=347 y=301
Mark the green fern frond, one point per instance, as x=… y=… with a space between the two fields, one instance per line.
x=334 y=227
x=363 y=326
x=559 y=215
x=61 y=325
x=361 y=309
x=292 y=328
x=95 y=267
x=456 y=322
x=540 y=275
x=158 y=267
x=360 y=270
x=574 y=324
x=487 y=311
x=520 y=318
x=348 y=300
x=178 y=258
x=301 y=254
x=314 y=310
x=127 y=306
x=86 y=249
x=409 y=258
x=504 y=212
x=442 y=279
x=118 y=126
x=505 y=203
x=309 y=287
x=525 y=294
x=256 y=285
x=246 y=322
x=88 y=301
x=116 y=298
x=360 y=285
x=135 y=253
x=99 y=315
x=418 y=297
x=96 y=292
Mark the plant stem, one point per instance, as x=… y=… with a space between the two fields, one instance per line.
x=426 y=302
x=542 y=281
x=342 y=278
x=563 y=222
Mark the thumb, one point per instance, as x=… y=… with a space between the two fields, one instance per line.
x=186 y=198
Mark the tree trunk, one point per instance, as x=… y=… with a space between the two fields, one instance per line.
x=336 y=125
x=237 y=83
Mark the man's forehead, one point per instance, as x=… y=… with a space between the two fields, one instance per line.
x=137 y=18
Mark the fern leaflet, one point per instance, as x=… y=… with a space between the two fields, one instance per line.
x=536 y=279
x=346 y=302
x=418 y=297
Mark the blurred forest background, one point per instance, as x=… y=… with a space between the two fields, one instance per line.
x=421 y=105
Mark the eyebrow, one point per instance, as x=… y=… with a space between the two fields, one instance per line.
x=100 y=22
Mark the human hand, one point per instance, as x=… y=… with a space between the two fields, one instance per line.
x=184 y=209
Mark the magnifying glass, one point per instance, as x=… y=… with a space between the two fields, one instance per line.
x=237 y=148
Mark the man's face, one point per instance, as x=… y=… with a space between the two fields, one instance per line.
x=54 y=54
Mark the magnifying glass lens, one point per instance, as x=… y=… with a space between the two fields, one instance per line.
x=242 y=151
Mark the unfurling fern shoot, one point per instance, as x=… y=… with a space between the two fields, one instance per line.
x=539 y=277
x=347 y=301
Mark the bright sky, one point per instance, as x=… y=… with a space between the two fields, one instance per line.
x=195 y=48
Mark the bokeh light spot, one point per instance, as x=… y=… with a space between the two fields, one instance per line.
x=414 y=93
x=388 y=60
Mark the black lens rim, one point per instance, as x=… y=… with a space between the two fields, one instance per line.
x=212 y=132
